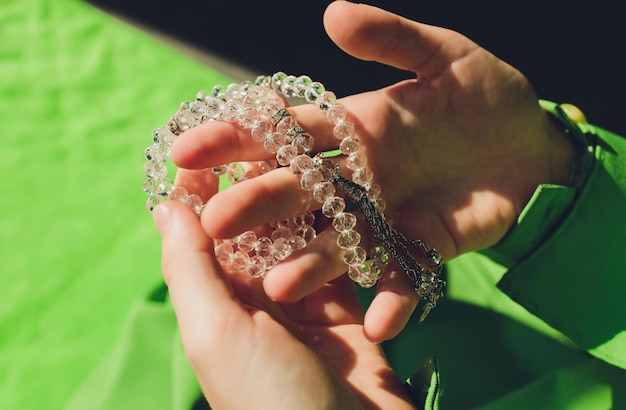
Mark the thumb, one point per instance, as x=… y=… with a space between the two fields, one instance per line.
x=201 y=295
x=373 y=34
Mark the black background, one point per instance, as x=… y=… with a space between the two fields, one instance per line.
x=571 y=51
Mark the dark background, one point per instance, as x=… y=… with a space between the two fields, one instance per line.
x=572 y=51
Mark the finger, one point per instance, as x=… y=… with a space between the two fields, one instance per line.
x=200 y=294
x=251 y=203
x=216 y=143
x=370 y=33
x=198 y=181
x=306 y=270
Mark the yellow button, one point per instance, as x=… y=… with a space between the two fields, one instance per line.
x=574 y=113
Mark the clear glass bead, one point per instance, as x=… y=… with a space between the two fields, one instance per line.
x=302 y=83
x=354 y=273
x=155 y=169
x=261 y=130
x=322 y=191
x=297 y=242
x=185 y=120
x=195 y=203
x=263 y=246
x=215 y=107
x=288 y=87
x=313 y=91
x=179 y=193
x=246 y=241
x=380 y=253
x=224 y=252
x=281 y=248
x=202 y=95
x=348 y=239
x=278 y=78
x=349 y=145
x=286 y=124
x=239 y=261
x=310 y=178
x=303 y=142
x=220 y=170
x=307 y=218
x=343 y=129
x=326 y=100
x=231 y=110
x=286 y=154
x=152 y=202
x=356 y=160
x=326 y=166
x=333 y=206
x=362 y=176
x=281 y=232
x=273 y=142
x=336 y=114
x=150 y=186
x=235 y=172
x=277 y=223
x=199 y=110
x=257 y=266
x=344 y=221
x=306 y=232
x=354 y=256
x=218 y=90
x=266 y=166
x=300 y=164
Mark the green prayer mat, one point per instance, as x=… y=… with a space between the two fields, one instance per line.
x=80 y=93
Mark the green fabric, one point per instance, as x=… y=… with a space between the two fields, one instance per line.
x=79 y=94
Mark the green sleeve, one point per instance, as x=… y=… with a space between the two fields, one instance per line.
x=565 y=256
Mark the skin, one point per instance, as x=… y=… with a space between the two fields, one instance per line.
x=458 y=152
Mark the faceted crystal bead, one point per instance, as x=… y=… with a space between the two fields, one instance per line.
x=279 y=223
x=239 y=261
x=434 y=257
x=343 y=129
x=150 y=186
x=199 y=110
x=310 y=178
x=224 y=252
x=349 y=145
x=218 y=90
x=195 y=203
x=286 y=154
x=202 y=95
x=246 y=117
x=336 y=114
x=296 y=243
x=179 y=193
x=185 y=120
x=281 y=248
x=333 y=206
x=354 y=256
x=326 y=100
x=356 y=160
x=348 y=239
x=246 y=241
x=261 y=130
x=303 y=142
x=220 y=170
x=313 y=91
x=362 y=176
x=235 y=172
x=380 y=253
x=326 y=166
x=302 y=83
x=344 y=221
x=300 y=164
x=257 y=266
x=163 y=187
x=278 y=78
x=322 y=191
x=354 y=273
x=273 y=142
x=231 y=110
x=215 y=107
x=307 y=218
x=306 y=232
x=263 y=246
x=281 y=232
x=266 y=166
x=155 y=169
x=288 y=87
x=286 y=124
x=152 y=202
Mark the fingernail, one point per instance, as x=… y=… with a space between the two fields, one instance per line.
x=162 y=216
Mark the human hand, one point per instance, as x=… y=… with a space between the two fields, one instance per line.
x=458 y=153
x=251 y=352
